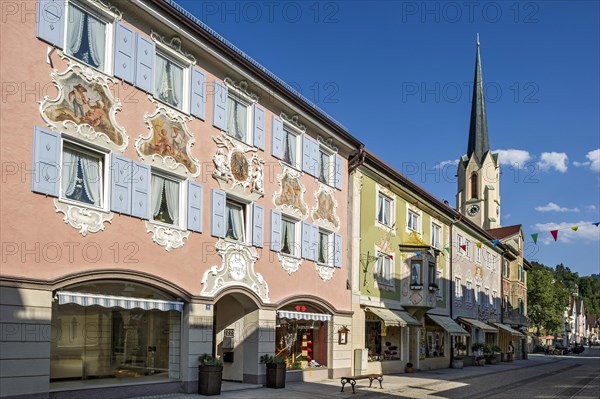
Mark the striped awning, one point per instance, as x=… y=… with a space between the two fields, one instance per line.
x=479 y=324
x=508 y=329
x=288 y=314
x=448 y=324
x=110 y=301
x=394 y=318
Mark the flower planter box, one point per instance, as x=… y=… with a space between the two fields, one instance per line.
x=457 y=363
x=209 y=380
x=276 y=373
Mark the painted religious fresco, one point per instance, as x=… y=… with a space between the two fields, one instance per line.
x=291 y=195
x=239 y=165
x=324 y=212
x=85 y=107
x=169 y=143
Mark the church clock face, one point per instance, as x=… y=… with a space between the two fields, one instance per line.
x=473 y=209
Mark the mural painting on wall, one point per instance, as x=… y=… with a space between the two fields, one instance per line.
x=291 y=194
x=239 y=164
x=169 y=143
x=324 y=211
x=85 y=107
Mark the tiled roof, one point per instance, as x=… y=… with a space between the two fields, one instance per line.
x=503 y=232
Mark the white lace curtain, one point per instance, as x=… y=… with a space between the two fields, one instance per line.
x=289 y=154
x=171 y=191
x=236 y=119
x=383 y=214
x=235 y=223
x=169 y=81
x=89 y=181
x=96 y=39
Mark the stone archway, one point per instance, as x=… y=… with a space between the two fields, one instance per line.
x=242 y=330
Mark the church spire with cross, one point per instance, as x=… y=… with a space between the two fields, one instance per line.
x=478 y=196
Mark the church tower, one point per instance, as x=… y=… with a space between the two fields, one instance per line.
x=478 y=196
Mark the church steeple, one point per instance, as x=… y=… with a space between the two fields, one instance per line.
x=478 y=132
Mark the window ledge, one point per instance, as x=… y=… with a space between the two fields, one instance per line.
x=86 y=220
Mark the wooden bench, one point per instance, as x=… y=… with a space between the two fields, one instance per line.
x=352 y=380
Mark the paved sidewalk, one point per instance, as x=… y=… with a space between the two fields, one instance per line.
x=427 y=380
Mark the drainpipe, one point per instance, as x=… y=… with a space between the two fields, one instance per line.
x=452 y=293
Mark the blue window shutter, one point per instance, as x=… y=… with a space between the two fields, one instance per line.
x=194 y=206
x=258 y=223
x=217 y=212
x=220 y=106
x=338 y=172
x=277 y=138
x=46 y=162
x=125 y=39
x=306 y=241
x=198 y=97
x=140 y=191
x=275 y=230
x=306 y=155
x=314 y=241
x=337 y=250
x=144 y=63
x=51 y=21
x=120 y=185
x=259 y=127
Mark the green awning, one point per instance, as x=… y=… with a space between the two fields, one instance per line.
x=508 y=329
x=479 y=324
x=394 y=318
x=448 y=324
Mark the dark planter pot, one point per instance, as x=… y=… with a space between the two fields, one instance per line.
x=490 y=359
x=209 y=380
x=276 y=373
x=457 y=363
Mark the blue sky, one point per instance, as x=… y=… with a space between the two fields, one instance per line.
x=398 y=75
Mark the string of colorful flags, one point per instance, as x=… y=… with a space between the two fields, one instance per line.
x=554 y=233
x=534 y=237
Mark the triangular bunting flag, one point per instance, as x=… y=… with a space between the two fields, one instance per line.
x=534 y=236
x=596 y=224
x=574 y=228
x=418 y=253
x=390 y=257
x=495 y=242
x=447 y=249
x=554 y=234
x=478 y=245
x=463 y=247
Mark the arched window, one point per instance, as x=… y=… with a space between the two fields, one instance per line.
x=474 y=186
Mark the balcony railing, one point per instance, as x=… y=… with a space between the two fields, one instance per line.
x=515 y=317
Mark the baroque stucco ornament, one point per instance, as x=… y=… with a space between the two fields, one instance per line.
x=289 y=263
x=239 y=164
x=85 y=106
x=84 y=219
x=236 y=269
x=325 y=272
x=169 y=142
x=324 y=212
x=166 y=237
x=290 y=197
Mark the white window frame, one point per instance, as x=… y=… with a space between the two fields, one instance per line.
x=177 y=59
x=108 y=18
x=460 y=240
x=236 y=95
x=495 y=301
x=329 y=180
x=104 y=176
x=297 y=237
x=416 y=216
x=383 y=257
x=469 y=289
x=458 y=291
x=478 y=254
x=468 y=250
x=431 y=265
x=477 y=293
x=435 y=226
x=293 y=131
x=246 y=218
x=329 y=255
x=390 y=208
x=419 y=283
x=487 y=296
x=182 y=202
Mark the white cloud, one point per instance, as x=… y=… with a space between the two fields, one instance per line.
x=594 y=157
x=591 y=208
x=580 y=164
x=552 y=207
x=448 y=162
x=512 y=157
x=586 y=232
x=554 y=160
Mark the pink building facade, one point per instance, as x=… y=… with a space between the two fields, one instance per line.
x=163 y=196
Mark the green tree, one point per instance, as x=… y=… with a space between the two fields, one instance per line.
x=546 y=298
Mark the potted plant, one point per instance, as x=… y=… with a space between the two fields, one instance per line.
x=409 y=367
x=488 y=353
x=457 y=361
x=477 y=348
x=210 y=374
x=275 y=370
